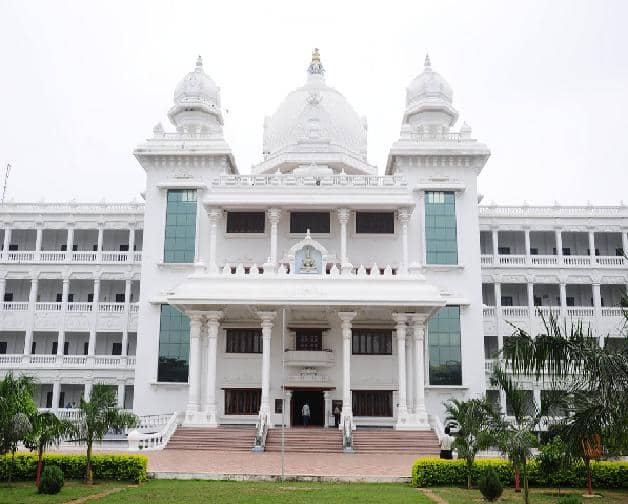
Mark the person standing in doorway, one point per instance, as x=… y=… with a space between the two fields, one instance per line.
x=337 y=415
x=305 y=412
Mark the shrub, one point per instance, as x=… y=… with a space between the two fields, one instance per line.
x=569 y=499
x=427 y=472
x=489 y=484
x=106 y=467
x=51 y=480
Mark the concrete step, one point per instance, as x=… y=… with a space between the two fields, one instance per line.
x=212 y=439
x=309 y=440
x=395 y=441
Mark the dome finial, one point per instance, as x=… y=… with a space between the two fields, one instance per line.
x=199 y=62
x=316 y=67
x=427 y=64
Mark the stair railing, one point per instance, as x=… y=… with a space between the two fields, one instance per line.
x=154 y=440
x=261 y=431
x=347 y=435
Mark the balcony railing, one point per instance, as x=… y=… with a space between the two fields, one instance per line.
x=76 y=256
x=66 y=361
x=48 y=306
x=570 y=311
x=580 y=311
x=15 y=306
x=313 y=358
x=80 y=307
x=570 y=261
x=111 y=307
x=515 y=311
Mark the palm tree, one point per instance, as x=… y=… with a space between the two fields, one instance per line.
x=593 y=378
x=16 y=406
x=475 y=420
x=47 y=430
x=98 y=416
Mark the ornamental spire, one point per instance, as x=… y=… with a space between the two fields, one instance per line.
x=316 y=67
x=427 y=64
x=199 y=63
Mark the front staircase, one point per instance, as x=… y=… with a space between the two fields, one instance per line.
x=305 y=440
x=401 y=442
x=222 y=438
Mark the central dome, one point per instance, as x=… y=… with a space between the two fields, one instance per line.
x=315 y=125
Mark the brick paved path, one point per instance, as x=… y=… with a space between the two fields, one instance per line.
x=269 y=464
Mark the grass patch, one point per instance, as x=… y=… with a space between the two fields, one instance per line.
x=24 y=492
x=537 y=495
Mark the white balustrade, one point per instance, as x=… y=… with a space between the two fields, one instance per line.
x=130 y=360
x=43 y=359
x=114 y=257
x=546 y=311
x=74 y=208
x=488 y=311
x=48 y=306
x=577 y=260
x=111 y=307
x=515 y=311
x=511 y=260
x=107 y=360
x=612 y=261
x=74 y=360
x=310 y=181
x=580 y=311
x=544 y=260
x=612 y=311
x=15 y=306
x=553 y=211
x=52 y=256
x=486 y=260
x=10 y=359
x=137 y=256
x=80 y=307
x=21 y=256
x=155 y=440
x=134 y=307
x=84 y=256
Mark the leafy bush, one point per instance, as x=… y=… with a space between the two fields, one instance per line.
x=427 y=472
x=51 y=480
x=569 y=499
x=489 y=484
x=106 y=467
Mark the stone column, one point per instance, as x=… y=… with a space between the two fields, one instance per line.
x=60 y=344
x=559 y=244
x=327 y=401
x=91 y=345
x=64 y=294
x=495 y=240
x=420 y=411
x=404 y=216
x=3 y=285
x=131 y=242
x=87 y=391
x=267 y=327
x=101 y=233
x=287 y=405
x=56 y=393
x=32 y=301
x=121 y=395
x=213 y=215
x=410 y=367
x=402 y=405
x=274 y=215
x=597 y=299
x=38 y=241
x=7 y=242
x=530 y=286
x=347 y=408
x=194 y=373
x=127 y=315
x=563 y=298
x=213 y=325
x=69 y=243
x=343 y=218
x=526 y=237
x=624 y=242
x=592 y=246
x=498 y=311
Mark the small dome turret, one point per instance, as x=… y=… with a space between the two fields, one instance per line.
x=429 y=102
x=196 y=102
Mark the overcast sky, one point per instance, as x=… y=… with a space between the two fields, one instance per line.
x=543 y=84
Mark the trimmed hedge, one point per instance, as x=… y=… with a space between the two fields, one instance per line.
x=428 y=472
x=106 y=467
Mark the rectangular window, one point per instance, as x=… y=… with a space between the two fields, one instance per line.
x=309 y=340
x=55 y=347
x=116 y=349
x=316 y=222
x=503 y=250
x=8 y=297
x=180 y=233
x=441 y=228
x=444 y=347
x=372 y=342
x=174 y=345
x=246 y=222
x=242 y=401
x=3 y=347
x=85 y=348
x=373 y=403
x=375 y=222
x=244 y=341
x=506 y=300
x=279 y=406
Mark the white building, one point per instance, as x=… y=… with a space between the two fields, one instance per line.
x=314 y=279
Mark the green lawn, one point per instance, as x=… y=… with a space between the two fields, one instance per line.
x=537 y=495
x=25 y=492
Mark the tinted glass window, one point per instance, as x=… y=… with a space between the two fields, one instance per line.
x=375 y=222
x=444 y=347
x=246 y=222
x=440 y=228
x=316 y=222
x=174 y=345
x=372 y=341
x=244 y=341
x=180 y=233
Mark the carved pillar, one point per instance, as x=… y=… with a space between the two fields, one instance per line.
x=69 y=243
x=7 y=242
x=56 y=393
x=420 y=410
x=558 y=237
x=274 y=215
x=563 y=297
x=526 y=237
x=347 y=408
x=597 y=299
x=404 y=217
x=495 y=240
x=213 y=214
x=592 y=246
x=343 y=218
x=101 y=233
x=410 y=369
x=267 y=327
x=213 y=325
x=131 y=242
x=38 y=238
x=402 y=405
x=194 y=371
x=327 y=401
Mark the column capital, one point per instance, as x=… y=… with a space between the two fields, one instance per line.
x=196 y=321
x=274 y=214
x=346 y=318
x=214 y=213
x=400 y=318
x=418 y=318
x=213 y=316
x=343 y=215
x=267 y=318
x=403 y=214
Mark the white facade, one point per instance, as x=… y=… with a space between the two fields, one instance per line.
x=275 y=310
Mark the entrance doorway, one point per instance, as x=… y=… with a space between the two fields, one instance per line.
x=316 y=401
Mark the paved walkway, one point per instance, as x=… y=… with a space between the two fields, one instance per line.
x=236 y=465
